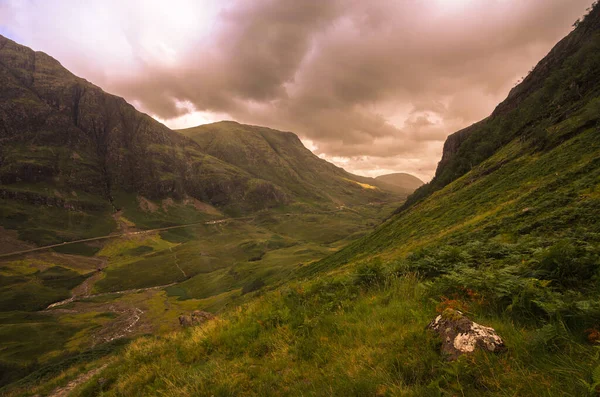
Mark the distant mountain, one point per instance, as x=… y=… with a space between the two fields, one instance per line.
x=402 y=182
x=71 y=155
x=281 y=158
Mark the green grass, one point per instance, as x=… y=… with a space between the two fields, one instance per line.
x=225 y=264
x=514 y=243
x=82 y=249
x=336 y=336
x=509 y=234
x=46 y=225
x=37 y=290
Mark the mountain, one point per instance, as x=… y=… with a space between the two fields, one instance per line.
x=72 y=155
x=508 y=232
x=169 y=223
x=404 y=183
x=281 y=158
x=558 y=87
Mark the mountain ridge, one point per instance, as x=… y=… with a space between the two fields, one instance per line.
x=83 y=153
x=281 y=158
x=470 y=146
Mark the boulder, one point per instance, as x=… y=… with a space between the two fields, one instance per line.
x=462 y=336
x=196 y=318
x=185 y=321
x=199 y=317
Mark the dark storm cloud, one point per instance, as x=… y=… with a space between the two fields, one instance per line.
x=373 y=85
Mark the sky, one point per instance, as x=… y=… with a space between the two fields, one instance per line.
x=373 y=86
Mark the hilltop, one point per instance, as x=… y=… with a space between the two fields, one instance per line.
x=403 y=182
x=281 y=158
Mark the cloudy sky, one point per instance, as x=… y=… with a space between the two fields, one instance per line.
x=374 y=86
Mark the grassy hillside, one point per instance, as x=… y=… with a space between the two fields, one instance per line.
x=72 y=155
x=140 y=284
x=519 y=253
x=513 y=241
x=281 y=158
x=554 y=91
x=78 y=163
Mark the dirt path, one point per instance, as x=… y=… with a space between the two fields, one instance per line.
x=177 y=264
x=127 y=291
x=81 y=379
x=125 y=324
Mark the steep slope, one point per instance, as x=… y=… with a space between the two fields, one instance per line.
x=514 y=242
x=402 y=182
x=561 y=84
x=281 y=158
x=72 y=155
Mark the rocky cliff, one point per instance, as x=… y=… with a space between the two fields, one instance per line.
x=554 y=90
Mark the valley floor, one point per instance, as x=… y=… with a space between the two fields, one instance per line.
x=84 y=303
x=516 y=248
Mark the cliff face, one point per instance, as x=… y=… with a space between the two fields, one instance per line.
x=59 y=130
x=561 y=84
x=452 y=145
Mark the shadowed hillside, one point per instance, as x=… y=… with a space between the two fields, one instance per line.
x=281 y=158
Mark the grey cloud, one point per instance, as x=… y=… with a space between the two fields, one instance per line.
x=322 y=68
x=335 y=71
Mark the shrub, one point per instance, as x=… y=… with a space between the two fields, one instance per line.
x=369 y=274
x=568 y=265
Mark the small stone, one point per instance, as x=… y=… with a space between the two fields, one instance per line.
x=461 y=335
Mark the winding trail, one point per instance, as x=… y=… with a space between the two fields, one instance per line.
x=127 y=291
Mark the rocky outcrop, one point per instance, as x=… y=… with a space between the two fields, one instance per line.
x=197 y=317
x=452 y=145
x=462 y=336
